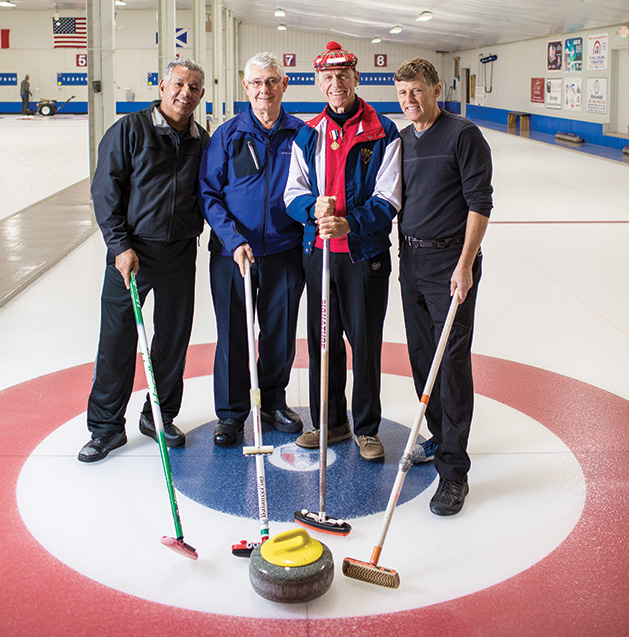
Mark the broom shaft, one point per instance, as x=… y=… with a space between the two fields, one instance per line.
x=405 y=462
x=155 y=406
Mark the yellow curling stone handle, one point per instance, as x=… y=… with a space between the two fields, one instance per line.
x=291 y=548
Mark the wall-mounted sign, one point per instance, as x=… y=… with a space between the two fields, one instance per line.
x=597 y=52
x=71 y=79
x=290 y=59
x=380 y=60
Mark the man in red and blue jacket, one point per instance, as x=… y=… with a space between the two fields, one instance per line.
x=345 y=185
x=242 y=177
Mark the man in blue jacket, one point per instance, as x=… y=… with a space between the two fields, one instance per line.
x=345 y=185
x=145 y=194
x=242 y=179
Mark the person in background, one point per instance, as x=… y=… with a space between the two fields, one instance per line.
x=242 y=180
x=145 y=194
x=345 y=185
x=447 y=172
x=25 y=93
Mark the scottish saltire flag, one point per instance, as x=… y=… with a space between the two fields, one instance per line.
x=181 y=38
x=69 y=33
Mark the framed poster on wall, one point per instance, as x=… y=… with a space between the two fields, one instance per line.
x=554 y=55
x=537 y=90
x=596 y=95
x=553 y=93
x=573 y=54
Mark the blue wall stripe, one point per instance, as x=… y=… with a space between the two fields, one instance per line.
x=591 y=132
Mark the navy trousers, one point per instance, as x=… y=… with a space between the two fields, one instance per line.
x=425 y=282
x=277 y=283
x=357 y=307
x=169 y=270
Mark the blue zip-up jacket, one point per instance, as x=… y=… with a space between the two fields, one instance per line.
x=373 y=182
x=241 y=185
x=146 y=180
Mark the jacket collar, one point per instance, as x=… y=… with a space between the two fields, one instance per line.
x=248 y=123
x=369 y=123
x=162 y=125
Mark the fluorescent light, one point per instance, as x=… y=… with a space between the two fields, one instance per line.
x=120 y=3
x=281 y=27
x=280 y=13
x=376 y=40
x=424 y=16
x=7 y=3
x=397 y=29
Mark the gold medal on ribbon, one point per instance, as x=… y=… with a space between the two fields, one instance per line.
x=334 y=146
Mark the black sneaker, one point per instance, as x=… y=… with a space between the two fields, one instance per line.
x=100 y=446
x=449 y=497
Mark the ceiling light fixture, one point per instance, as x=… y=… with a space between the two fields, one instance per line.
x=120 y=3
x=281 y=27
x=376 y=40
x=280 y=13
x=397 y=29
x=8 y=4
x=424 y=16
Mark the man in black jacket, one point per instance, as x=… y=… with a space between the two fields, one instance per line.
x=145 y=196
x=447 y=201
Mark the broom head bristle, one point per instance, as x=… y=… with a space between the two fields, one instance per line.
x=370 y=573
x=311 y=520
x=179 y=546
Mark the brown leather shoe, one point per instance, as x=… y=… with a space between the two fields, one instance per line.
x=370 y=447
x=310 y=439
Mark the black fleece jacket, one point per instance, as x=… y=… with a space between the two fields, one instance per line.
x=146 y=181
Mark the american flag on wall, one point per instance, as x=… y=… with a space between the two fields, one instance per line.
x=69 y=33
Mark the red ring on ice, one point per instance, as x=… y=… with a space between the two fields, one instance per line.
x=580 y=588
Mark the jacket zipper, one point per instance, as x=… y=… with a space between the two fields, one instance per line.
x=266 y=194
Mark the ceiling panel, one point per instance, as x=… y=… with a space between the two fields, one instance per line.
x=456 y=25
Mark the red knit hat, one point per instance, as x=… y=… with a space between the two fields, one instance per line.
x=335 y=58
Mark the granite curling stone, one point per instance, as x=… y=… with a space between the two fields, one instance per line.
x=291 y=568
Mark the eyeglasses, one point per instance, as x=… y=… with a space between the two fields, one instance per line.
x=270 y=82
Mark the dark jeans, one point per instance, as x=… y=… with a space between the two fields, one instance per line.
x=277 y=283
x=425 y=282
x=357 y=307
x=24 y=104
x=169 y=270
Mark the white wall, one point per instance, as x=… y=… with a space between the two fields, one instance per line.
x=518 y=62
x=31 y=52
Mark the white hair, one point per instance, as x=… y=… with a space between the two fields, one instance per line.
x=265 y=60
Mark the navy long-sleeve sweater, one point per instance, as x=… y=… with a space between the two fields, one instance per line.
x=447 y=172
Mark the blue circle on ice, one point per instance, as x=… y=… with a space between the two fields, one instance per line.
x=224 y=479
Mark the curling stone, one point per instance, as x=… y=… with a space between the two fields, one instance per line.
x=291 y=568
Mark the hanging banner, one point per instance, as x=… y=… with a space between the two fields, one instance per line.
x=553 y=93
x=572 y=94
x=597 y=52
x=574 y=55
x=596 y=95
x=553 y=55
x=537 y=90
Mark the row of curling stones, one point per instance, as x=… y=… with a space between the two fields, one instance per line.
x=291 y=568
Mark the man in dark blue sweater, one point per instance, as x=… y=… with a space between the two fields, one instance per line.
x=447 y=201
